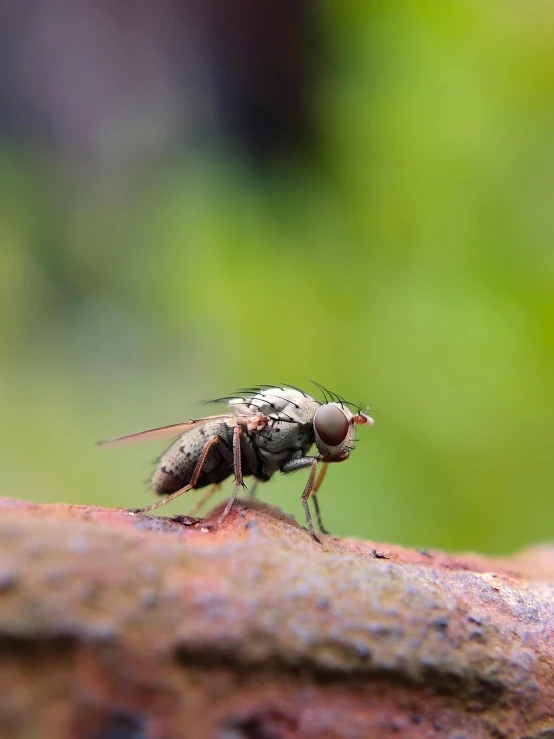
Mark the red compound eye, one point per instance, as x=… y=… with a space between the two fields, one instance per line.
x=331 y=425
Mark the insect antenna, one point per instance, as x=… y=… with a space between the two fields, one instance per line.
x=363 y=408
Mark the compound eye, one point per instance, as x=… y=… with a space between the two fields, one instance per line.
x=331 y=425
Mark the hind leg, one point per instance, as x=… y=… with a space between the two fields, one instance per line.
x=208 y=446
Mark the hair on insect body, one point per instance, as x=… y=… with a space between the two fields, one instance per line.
x=270 y=428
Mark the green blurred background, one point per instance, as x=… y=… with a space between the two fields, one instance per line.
x=403 y=258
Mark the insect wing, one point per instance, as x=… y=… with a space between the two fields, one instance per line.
x=162 y=432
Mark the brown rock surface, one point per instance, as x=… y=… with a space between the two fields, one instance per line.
x=116 y=626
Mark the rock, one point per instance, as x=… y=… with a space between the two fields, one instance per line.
x=120 y=626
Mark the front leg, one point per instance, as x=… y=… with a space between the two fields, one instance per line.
x=313 y=485
x=298 y=464
x=317 y=484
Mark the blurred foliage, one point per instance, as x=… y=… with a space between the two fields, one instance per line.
x=410 y=268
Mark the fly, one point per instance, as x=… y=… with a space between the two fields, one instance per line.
x=269 y=429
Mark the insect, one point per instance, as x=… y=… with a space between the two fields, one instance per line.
x=269 y=429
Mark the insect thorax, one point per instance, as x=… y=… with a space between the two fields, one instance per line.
x=279 y=404
x=289 y=433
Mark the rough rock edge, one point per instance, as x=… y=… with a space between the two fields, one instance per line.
x=117 y=625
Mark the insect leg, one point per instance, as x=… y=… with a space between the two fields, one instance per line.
x=298 y=464
x=317 y=484
x=320 y=477
x=305 y=495
x=252 y=462
x=318 y=516
x=238 y=433
x=212 y=441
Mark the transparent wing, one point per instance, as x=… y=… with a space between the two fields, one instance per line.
x=162 y=432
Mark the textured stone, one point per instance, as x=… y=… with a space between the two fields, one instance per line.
x=117 y=626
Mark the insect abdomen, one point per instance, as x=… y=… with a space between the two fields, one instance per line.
x=178 y=463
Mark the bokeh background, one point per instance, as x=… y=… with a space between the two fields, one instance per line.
x=196 y=197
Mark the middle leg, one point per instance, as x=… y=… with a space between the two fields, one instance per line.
x=238 y=433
